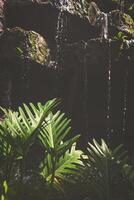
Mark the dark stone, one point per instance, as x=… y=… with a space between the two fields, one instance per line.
x=77 y=28
x=85 y=88
x=2 y=17
x=122 y=22
x=18 y=43
x=20 y=52
x=81 y=81
x=5 y=86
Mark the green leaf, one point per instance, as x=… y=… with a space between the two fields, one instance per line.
x=104 y=167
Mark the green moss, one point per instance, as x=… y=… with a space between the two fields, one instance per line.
x=127 y=19
x=123 y=22
x=19 y=42
x=19 y=51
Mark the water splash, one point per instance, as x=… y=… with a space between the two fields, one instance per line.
x=104 y=26
x=61 y=3
x=109 y=88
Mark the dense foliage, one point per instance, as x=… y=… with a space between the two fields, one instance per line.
x=39 y=161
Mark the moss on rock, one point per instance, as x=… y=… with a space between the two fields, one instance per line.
x=123 y=22
x=18 y=43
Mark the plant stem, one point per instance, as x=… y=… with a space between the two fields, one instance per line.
x=53 y=170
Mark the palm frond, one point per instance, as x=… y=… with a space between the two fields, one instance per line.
x=54 y=133
x=65 y=167
x=128 y=171
x=61 y=156
x=107 y=165
x=20 y=128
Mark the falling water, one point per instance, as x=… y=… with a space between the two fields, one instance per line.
x=125 y=101
x=109 y=84
x=104 y=26
x=26 y=68
x=124 y=118
x=59 y=35
x=85 y=98
x=60 y=32
x=60 y=38
x=122 y=6
x=105 y=35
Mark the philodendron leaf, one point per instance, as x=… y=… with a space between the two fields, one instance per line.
x=104 y=167
x=67 y=165
x=62 y=158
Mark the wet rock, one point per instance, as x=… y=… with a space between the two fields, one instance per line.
x=84 y=9
x=5 y=87
x=85 y=85
x=83 y=82
x=93 y=13
x=76 y=27
x=2 y=17
x=21 y=52
x=79 y=8
x=122 y=22
x=26 y=2
x=21 y=44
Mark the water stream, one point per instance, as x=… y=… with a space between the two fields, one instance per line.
x=121 y=8
x=61 y=31
x=25 y=72
x=122 y=5
x=85 y=96
x=58 y=38
x=125 y=94
x=105 y=35
x=124 y=122
x=104 y=26
x=109 y=88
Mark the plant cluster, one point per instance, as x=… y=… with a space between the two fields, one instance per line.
x=39 y=160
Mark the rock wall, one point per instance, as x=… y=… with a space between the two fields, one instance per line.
x=87 y=85
x=85 y=60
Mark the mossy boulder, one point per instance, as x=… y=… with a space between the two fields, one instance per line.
x=85 y=9
x=93 y=13
x=19 y=43
x=123 y=23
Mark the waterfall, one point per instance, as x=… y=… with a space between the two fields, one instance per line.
x=2 y=17
x=121 y=8
x=109 y=87
x=25 y=68
x=105 y=35
x=125 y=100
x=104 y=26
x=58 y=38
x=60 y=32
x=85 y=96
